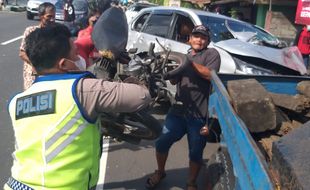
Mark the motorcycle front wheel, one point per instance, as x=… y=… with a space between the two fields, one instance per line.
x=139 y=125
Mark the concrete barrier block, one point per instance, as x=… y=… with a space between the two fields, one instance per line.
x=291 y=157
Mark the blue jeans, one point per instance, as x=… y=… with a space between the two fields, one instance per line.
x=175 y=128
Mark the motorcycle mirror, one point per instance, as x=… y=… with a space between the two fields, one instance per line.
x=110 y=33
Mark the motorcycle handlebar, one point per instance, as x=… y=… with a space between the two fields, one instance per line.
x=151 y=50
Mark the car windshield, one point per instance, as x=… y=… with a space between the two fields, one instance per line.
x=138 y=7
x=218 y=29
x=247 y=31
x=225 y=29
x=79 y=5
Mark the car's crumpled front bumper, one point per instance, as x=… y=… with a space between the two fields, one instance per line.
x=288 y=57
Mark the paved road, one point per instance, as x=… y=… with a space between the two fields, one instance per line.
x=12 y=26
x=17 y=2
x=123 y=166
x=129 y=165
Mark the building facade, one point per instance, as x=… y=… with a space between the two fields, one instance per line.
x=276 y=16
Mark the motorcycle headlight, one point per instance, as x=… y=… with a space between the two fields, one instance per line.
x=246 y=68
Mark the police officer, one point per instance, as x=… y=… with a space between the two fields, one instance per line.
x=55 y=120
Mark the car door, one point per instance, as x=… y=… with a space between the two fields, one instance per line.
x=157 y=26
x=181 y=29
x=135 y=27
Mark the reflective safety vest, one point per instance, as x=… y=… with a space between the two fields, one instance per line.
x=304 y=42
x=57 y=146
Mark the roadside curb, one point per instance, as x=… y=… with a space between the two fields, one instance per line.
x=17 y=8
x=14 y=8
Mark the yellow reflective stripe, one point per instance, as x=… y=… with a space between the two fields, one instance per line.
x=65 y=143
x=62 y=131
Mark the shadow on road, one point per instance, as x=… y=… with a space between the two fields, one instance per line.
x=175 y=179
x=115 y=146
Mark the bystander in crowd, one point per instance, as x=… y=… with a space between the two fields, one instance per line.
x=84 y=43
x=46 y=12
x=190 y=113
x=302 y=41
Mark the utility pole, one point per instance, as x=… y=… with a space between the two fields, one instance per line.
x=270 y=4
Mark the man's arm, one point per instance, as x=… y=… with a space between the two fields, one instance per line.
x=202 y=70
x=212 y=62
x=98 y=95
x=23 y=56
x=22 y=52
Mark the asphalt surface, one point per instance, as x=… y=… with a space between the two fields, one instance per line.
x=17 y=2
x=128 y=166
x=12 y=26
x=123 y=166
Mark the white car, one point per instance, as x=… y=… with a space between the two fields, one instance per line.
x=244 y=48
x=33 y=6
x=133 y=9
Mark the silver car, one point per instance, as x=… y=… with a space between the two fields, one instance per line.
x=33 y=6
x=133 y=9
x=244 y=48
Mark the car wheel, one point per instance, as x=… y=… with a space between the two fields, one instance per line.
x=29 y=15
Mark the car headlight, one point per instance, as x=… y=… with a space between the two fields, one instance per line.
x=247 y=68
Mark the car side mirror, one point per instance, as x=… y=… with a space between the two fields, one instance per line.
x=283 y=44
x=132 y=50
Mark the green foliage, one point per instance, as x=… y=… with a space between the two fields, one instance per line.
x=159 y=2
x=190 y=5
x=187 y=4
x=233 y=13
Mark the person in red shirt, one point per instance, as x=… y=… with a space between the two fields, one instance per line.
x=84 y=43
x=303 y=43
x=92 y=19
